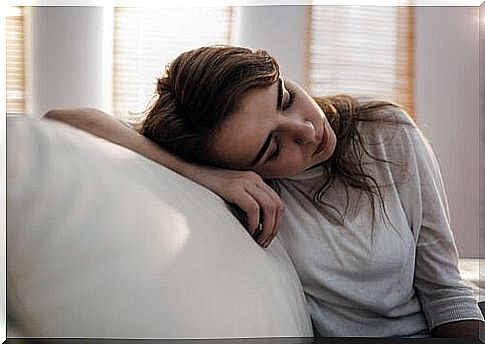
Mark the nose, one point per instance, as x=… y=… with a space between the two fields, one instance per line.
x=301 y=131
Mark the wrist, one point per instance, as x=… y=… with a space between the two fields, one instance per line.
x=187 y=169
x=460 y=328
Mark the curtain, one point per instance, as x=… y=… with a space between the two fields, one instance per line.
x=352 y=49
x=15 y=56
x=362 y=50
x=147 y=39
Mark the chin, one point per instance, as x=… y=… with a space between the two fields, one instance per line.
x=313 y=166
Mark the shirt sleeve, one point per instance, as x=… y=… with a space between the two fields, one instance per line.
x=444 y=296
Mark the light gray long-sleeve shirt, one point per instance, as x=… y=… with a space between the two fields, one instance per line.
x=400 y=281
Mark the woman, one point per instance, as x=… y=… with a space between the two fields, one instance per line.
x=366 y=220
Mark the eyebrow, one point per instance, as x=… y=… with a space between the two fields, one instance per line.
x=266 y=144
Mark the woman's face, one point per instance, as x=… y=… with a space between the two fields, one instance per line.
x=278 y=131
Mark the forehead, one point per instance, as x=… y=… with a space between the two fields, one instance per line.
x=242 y=134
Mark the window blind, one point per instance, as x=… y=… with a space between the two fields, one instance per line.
x=363 y=51
x=147 y=39
x=15 y=76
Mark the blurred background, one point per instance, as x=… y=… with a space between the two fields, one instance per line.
x=425 y=58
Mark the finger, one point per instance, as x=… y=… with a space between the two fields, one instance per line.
x=272 y=193
x=252 y=209
x=279 y=210
x=258 y=230
x=268 y=212
x=279 y=219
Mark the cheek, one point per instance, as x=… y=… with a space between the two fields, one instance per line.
x=314 y=110
x=292 y=161
x=289 y=164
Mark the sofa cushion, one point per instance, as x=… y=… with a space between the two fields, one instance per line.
x=102 y=242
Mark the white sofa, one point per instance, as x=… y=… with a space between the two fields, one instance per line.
x=102 y=242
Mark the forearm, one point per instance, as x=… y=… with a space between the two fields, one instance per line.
x=246 y=189
x=459 y=329
x=106 y=127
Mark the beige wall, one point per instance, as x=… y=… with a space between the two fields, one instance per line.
x=68 y=61
x=281 y=30
x=482 y=134
x=447 y=109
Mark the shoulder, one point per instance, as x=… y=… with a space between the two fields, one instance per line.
x=385 y=122
x=384 y=112
x=389 y=133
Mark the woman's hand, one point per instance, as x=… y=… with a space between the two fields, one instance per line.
x=249 y=192
x=459 y=329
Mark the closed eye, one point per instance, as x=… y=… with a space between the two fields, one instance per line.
x=276 y=152
x=287 y=104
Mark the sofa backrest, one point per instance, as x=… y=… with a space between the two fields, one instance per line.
x=102 y=242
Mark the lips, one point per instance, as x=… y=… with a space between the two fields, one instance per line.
x=322 y=144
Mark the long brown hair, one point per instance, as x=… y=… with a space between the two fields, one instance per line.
x=344 y=113
x=199 y=90
x=202 y=87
